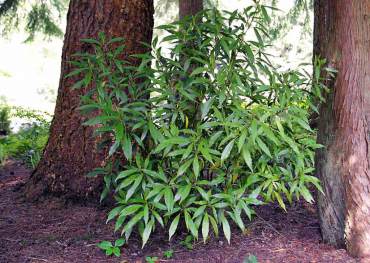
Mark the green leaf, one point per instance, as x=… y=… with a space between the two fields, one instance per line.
x=184 y=167
x=116 y=251
x=214 y=225
x=263 y=147
x=205 y=227
x=105 y=245
x=280 y=200
x=126 y=173
x=169 y=199
x=158 y=217
x=226 y=152
x=184 y=192
x=306 y=194
x=126 y=182
x=198 y=71
x=109 y=251
x=238 y=220
x=114 y=212
x=147 y=232
x=154 y=174
x=251 y=259
x=157 y=136
x=90 y=41
x=97 y=120
x=205 y=153
x=247 y=157
x=226 y=227
x=173 y=226
x=130 y=209
x=205 y=107
x=172 y=141
x=190 y=225
x=127 y=148
x=119 y=242
x=241 y=140
x=249 y=53
x=133 y=222
x=132 y=189
x=196 y=166
x=119 y=222
x=304 y=124
x=214 y=138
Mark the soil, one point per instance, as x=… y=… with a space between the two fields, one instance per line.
x=54 y=231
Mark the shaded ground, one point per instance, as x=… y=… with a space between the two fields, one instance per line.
x=52 y=231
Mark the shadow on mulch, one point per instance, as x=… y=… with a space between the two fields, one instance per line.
x=53 y=232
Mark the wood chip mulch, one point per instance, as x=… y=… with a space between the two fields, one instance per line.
x=53 y=231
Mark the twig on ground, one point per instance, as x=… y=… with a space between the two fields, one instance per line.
x=40 y=259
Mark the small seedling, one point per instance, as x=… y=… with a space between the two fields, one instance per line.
x=150 y=259
x=111 y=249
x=251 y=259
x=188 y=242
x=168 y=254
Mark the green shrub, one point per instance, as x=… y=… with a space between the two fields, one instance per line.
x=202 y=133
x=4 y=120
x=28 y=142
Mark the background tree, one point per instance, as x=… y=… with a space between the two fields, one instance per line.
x=189 y=7
x=71 y=151
x=342 y=36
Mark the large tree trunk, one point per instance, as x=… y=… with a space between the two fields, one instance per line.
x=189 y=7
x=342 y=36
x=71 y=151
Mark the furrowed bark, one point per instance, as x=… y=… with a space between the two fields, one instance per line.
x=189 y=7
x=71 y=150
x=342 y=36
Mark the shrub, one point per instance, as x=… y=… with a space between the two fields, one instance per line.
x=4 y=120
x=203 y=133
x=28 y=142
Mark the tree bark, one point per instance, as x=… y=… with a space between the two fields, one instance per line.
x=342 y=37
x=189 y=7
x=71 y=151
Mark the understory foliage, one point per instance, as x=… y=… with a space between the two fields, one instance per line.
x=27 y=143
x=199 y=134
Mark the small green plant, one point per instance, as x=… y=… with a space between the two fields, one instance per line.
x=188 y=242
x=111 y=249
x=150 y=259
x=168 y=253
x=251 y=259
x=3 y=155
x=4 y=120
x=34 y=158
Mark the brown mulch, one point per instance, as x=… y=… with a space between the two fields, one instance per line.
x=52 y=231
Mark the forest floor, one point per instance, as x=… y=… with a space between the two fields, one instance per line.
x=52 y=231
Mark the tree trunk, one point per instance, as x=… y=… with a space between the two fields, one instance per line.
x=189 y=7
x=71 y=151
x=342 y=36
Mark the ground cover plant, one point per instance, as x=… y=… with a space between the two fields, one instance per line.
x=200 y=134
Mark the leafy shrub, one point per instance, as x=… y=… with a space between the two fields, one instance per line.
x=4 y=120
x=28 y=142
x=203 y=133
